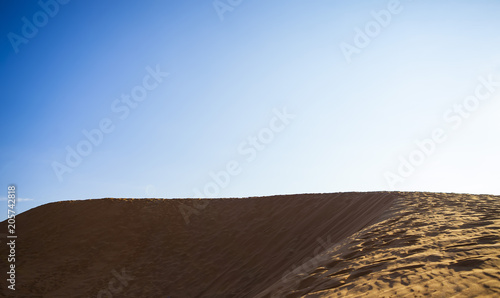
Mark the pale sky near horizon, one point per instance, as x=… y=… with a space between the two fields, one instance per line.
x=280 y=96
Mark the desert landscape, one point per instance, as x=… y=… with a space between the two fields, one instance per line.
x=375 y=244
x=253 y=149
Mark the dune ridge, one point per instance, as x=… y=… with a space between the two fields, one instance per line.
x=376 y=244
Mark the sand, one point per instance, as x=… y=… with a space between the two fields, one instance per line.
x=380 y=244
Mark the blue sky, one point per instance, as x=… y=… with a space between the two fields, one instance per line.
x=235 y=68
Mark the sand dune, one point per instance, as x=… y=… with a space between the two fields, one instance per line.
x=376 y=244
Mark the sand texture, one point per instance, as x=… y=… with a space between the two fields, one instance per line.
x=379 y=244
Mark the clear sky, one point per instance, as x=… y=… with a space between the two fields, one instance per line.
x=182 y=99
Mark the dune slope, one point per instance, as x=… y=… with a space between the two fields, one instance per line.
x=315 y=245
x=437 y=245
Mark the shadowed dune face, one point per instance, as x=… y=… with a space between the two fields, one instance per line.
x=231 y=247
x=314 y=245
